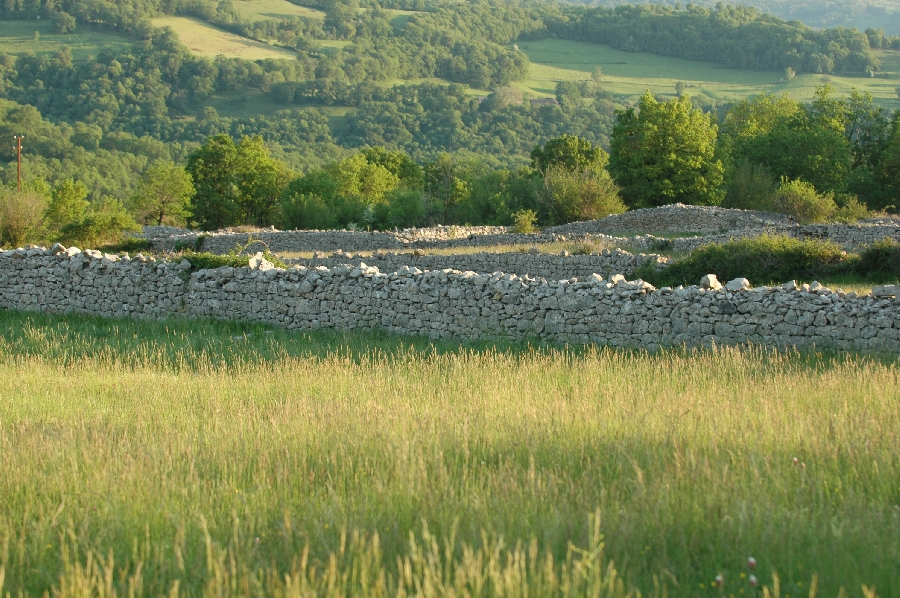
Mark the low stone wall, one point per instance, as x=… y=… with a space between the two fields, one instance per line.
x=677 y=218
x=448 y=304
x=541 y=265
x=849 y=236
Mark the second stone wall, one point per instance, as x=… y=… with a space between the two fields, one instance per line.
x=448 y=304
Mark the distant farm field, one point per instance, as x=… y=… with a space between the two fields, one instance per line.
x=20 y=37
x=209 y=458
x=205 y=40
x=627 y=75
x=263 y=10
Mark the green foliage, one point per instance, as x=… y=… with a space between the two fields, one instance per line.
x=21 y=216
x=761 y=260
x=799 y=199
x=63 y=22
x=105 y=222
x=666 y=153
x=880 y=260
x=163 y=195
x=236 y=258
x=734 y=36
x=406 y=208
x=524 y=222
x=569 y=152
x=569 y=196
x=68 y=205
x=235 y=183
x=750 y=187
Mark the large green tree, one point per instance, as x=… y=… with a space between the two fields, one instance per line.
x=665 y=152
x=212 y=169
x=163 y=195
x=236 y=183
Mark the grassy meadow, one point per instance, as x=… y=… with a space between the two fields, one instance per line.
x=277 y=10
x=20 y=37
x=627 y=75
x=203 y=39
x=204 y=458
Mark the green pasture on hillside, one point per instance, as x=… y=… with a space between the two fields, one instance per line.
x=628 y=75
x=18 y=37
x=203 y=458
x=275 y=10
x=203 y=39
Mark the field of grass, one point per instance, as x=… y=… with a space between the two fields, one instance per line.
x=18 y=37
x=627 y=75
x=205 y=40
x=189 y=458
x=277 y=10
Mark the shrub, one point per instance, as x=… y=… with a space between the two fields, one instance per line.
x=799 y=199
x=524 y=221
x=21 y=217
x=579 y=195
x=879 y=260
x=851 y=211
x=405 y=208
x=761 y=260
x=307 y=212
x=105 y=223
x=751 y=187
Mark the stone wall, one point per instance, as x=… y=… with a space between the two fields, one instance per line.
x=848 y=236
x=448 y=304
x=542 y=265
x=677 y=218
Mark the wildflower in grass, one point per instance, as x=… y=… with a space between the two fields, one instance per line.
x=751 y=564
x=719 y=581
x=753 y=581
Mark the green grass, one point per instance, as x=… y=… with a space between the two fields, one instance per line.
x=18 y=37
x=627 y=75
x=225 y=458
x=275 y=10
x=203 y=39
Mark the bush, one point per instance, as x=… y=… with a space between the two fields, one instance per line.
x=879 y=260
x=523 y=221
x=105 y=223
x=307 y=212
x=799 y=199
x=569 y=196
x=761 y=260
x=851 y=211
x=21 y=217
x=405 y=208
x=751 y=187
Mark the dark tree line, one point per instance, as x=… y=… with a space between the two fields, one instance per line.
x=735 y=36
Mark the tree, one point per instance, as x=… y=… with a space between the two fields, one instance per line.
x=163 y=195
x=212 y=170
x=63 y=22
x=260 y=181
x=68 y=204
x=569 y=152
x=666 y=153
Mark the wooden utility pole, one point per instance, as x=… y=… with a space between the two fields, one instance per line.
x=18 y=148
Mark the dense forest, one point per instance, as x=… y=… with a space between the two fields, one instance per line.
x=106 y=121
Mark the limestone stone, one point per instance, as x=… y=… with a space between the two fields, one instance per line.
x=710 y=282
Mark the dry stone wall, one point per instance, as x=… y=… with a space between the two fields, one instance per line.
x=677 y=218
x=542 y=265
x=735 y=223
x=448 y=303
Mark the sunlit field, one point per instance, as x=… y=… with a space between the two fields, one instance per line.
x=204 y=39
x=204 y=458
x=627 y=75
